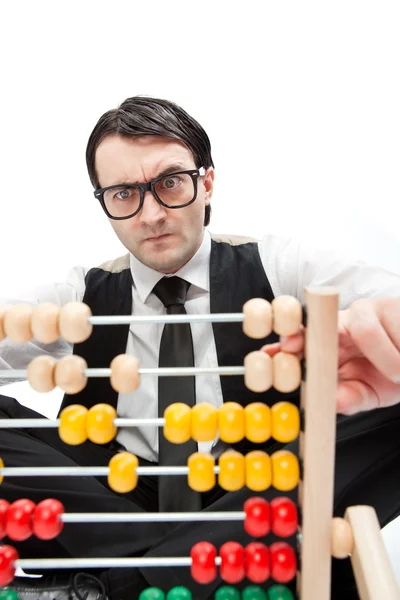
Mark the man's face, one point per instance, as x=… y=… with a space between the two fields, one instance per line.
x=161 y=238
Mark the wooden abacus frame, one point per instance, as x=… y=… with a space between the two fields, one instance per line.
x=372 y=570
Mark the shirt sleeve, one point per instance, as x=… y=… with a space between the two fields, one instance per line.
x=292 y=266
x=18 y=356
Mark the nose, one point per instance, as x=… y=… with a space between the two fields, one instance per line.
x=152 y=211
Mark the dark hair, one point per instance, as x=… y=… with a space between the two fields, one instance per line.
x=141 y=115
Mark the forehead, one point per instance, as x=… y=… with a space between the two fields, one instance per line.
x=140 y=159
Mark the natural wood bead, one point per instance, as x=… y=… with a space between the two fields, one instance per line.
x=73 y=322
x=40 y=373
x=287 y=315
x=69 y=374
x=45 y=323
x=286 y=371
x=342 y=540
x=258 y=371
x=125 y=375
x=2 y=332
x=257 y=322
x=17 y=323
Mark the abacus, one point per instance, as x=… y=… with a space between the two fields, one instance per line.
x=319 y=536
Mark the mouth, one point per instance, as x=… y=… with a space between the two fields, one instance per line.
x=158 y=238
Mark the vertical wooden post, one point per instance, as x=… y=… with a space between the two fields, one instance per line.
x=317 y=442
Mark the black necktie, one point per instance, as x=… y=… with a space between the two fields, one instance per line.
x=176 y=350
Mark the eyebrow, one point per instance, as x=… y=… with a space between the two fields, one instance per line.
x=171 y=169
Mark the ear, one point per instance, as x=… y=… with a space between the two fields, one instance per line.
x=208 y=182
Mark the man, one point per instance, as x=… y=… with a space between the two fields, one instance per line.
x=151 y=166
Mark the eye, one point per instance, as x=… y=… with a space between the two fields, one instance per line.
x=123 y=194
x=171 y=182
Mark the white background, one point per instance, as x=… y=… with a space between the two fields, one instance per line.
x=300 y=99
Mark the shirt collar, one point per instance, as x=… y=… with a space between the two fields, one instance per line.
x=195 y=271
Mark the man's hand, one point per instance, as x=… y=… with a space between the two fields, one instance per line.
x=369 y=354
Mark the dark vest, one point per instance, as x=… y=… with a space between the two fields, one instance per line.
x=236 y=275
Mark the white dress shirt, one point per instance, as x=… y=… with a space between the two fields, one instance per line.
x=290 y=267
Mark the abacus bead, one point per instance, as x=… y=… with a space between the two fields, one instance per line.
x=283 y=562
x=258 y=375
x=286 y=369
x=257 y=562
x=4 y=506
x=257 y=522
x=258 y=470
x=227 y=592
x=72 y=429
x=279 y=592
x=231 y=475
x=254 y=592
x=152 y=593
x=232 y=569
x=284 y=520
x=257 y=322
x=73 y=322
x=45 y=323
x=8 y=556
x=285 y=422
x=122 y=477
x=203 y=568
x=1 y=467
x=201 y=476
x=231 y=422
x=258 y=422
x=69 y=374
x=179 y=593
x=46 y=520
x=18 y=522
x=178 y=423
x=342 y=540
x=17 y=323
x=100 y=423
x=2 y=332
x=125 y=375
x=285 y=470
x=204 y=422
x=40 y=373
x=7 y=594
x=287 y=315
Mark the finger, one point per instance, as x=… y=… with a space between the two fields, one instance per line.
x=367 y=331
x=272 y=349
x=355 y=396
x=292 y=343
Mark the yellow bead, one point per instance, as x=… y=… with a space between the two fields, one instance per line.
x=201 y=476
x=285 y=422
x=100 y=424
x=231 y=476
x=285 y=470
x=122 y=477
x=231 y=422
x=72 y=429
x=258 y=422
x=178 y=423
x=258 y=471
x=204 y=422
x=1 y=467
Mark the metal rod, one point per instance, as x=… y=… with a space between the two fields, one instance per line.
x=152 y=517
x=85 y=471
x=48 y=424
x=132 y=320
x=105 y=563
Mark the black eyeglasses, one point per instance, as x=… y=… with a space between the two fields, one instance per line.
x=175 y=190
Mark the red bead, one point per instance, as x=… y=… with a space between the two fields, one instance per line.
x=8 y=556
x=258 y=517
x=46 y=522
x=257 y=562
x=4 y=506
x=283 y=562
x=19 y=520
x=283 y=517
x=232 y=562
x=203 y=569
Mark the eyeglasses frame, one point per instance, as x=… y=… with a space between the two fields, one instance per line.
x=149 y=187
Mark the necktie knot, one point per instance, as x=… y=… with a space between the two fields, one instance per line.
x=171 y=291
